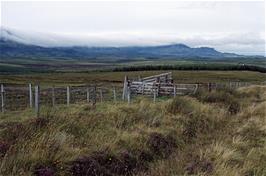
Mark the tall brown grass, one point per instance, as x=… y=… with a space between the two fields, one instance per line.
x=217 y=133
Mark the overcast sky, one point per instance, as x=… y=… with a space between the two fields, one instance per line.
x=227 y=26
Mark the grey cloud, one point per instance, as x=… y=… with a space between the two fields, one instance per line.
x=225 y=42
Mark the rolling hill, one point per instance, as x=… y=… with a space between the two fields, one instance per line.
x=15 y=44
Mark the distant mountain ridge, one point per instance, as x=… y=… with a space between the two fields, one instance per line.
x=12 y=45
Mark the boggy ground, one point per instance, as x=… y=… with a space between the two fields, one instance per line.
x=217 y=133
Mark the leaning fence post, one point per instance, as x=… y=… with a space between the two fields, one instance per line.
x=30 y=95
x=2 y=98
x=53 y=96
x=68 y=95
x=196 y=89
x=88 y=95
x=114 y=92
x=37 y=100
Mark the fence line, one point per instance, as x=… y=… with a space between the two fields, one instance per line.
x=21 y=97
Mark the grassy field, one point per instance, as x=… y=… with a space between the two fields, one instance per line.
x=218 y=133
x=46 y=65
x=118 y=77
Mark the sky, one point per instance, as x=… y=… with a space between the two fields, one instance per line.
x=237 y=27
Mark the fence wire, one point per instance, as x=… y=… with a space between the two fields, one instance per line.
x=17 y=97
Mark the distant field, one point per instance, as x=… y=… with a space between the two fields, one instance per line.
x=48 y=65
x=117 y=77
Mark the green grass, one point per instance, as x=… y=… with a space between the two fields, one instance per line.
x=196 y=135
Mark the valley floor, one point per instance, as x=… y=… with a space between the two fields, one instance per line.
x=218 y=133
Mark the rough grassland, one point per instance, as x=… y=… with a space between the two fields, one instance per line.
x=217 y=133
x=118 y=77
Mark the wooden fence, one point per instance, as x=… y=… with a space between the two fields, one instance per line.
x=14 y=97
x=157 y=85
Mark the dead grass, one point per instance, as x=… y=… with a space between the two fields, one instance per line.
x=197 y=135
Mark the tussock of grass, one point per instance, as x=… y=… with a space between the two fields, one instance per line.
x=216 y=133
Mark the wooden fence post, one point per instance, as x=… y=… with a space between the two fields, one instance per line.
x=2 y=98
x=209 y=87
x=128 y=96
x=88 y=95
x=143 y=85
x=114 y=92
x=53 y=96
x=139 y=78
x=30 y=95
x=125 y=88
x=154 y=95
x=37 y=100
x=68 y=95
x=94 y=96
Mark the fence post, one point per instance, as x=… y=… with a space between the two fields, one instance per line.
x=209 y=87
x=125 y=88
x=88 y=95
x=2 y=98
x=37 y=100
x=114 y=92
x=196 y=89
x=128 y=95
x=94 y=96
x=174 y=91
x=30 y=95
x=143 y=85
x=53 y=96
x=139 y=78
x=101 y=95
x=68 y=95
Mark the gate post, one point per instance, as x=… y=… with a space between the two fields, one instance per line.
x=2 y=98
x=174 y=91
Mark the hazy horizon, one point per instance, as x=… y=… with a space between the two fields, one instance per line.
x=236 y=27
